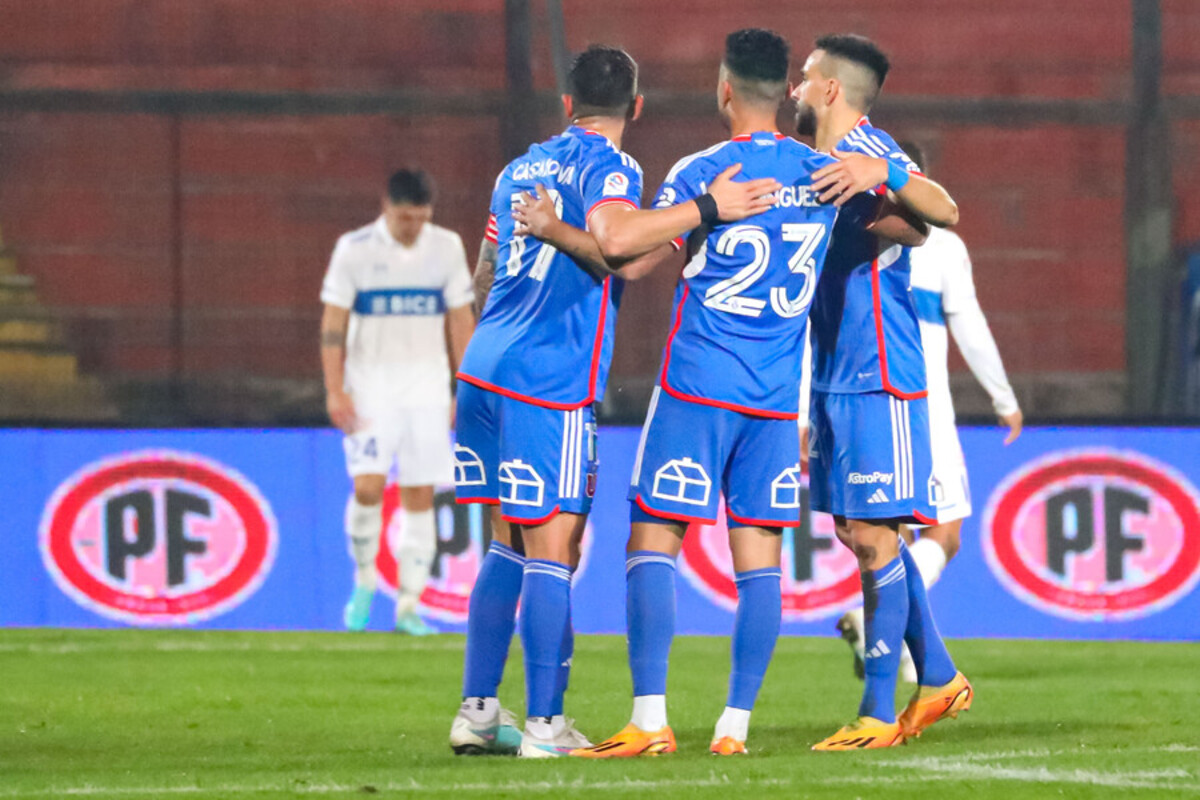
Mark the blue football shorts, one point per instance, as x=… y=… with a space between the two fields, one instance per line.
x=869 y=457
x=691 y=453
x=534 y=462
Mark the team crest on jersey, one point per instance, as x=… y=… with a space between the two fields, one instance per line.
x=820 y=576
x=682 y=480
x=468 y=467
x=786 y=488
x=520 y=484
x=1095 y=535
x=464 y=534
x=158 y=537
x=616 y=185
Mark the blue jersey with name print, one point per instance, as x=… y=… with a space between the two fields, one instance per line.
x=865 y=333
x=546 y=332
x=737 y=330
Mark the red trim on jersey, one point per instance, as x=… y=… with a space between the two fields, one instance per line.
x=678 y=242
x=654 y=512
x=763 y=523
x=597 y=349
x=876 y=296
x=606 y=202
x=491 y=387
x=705 y=401
x=747 y=137
x=599 y=342
x=924 y=520
x=491 y=501
x=492 y=233
x=539 y=521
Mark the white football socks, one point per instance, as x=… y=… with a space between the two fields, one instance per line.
x=734 y=722
x=650 y=712
x=363 y=528
x=930 y=558
x=415 y=553
x=480 y=710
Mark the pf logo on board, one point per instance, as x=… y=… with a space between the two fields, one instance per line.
x=158 y=537
x=820 y=576
x=1095 y=535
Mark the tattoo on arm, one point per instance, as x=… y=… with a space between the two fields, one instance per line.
x=485 y=273
x=333 y=338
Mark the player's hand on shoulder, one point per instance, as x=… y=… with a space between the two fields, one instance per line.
x=341 y=411
x=740 y=199
x=1015 y=422
x=853 y=173
x=534 y=214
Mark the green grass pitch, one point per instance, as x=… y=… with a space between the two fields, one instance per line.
x=149 y=714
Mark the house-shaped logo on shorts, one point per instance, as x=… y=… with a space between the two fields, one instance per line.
x=520 y=484
x=682 y=480
x=785 y=489
x=468 y=467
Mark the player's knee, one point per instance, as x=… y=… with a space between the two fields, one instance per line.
x=416 y=498
x=368 y=492
x=951 y=545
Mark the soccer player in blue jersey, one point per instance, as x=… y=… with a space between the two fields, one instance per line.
x=539 y=360
x=868 y=441
x=722 y=417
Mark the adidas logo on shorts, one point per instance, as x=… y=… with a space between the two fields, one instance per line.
x=878 y=497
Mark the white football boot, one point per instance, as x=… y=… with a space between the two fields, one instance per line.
x=497 y=736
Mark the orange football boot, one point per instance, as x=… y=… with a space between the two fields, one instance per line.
x=631 y=741
x=936 y=704
x=727 y=746
x=865 y=733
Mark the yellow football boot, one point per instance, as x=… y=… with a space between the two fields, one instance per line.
x=930 y=704
x=865 y=733
x=631 y=741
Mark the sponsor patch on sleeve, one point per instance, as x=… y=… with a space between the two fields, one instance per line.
x=616 y=185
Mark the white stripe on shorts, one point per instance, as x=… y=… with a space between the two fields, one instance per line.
x=641 y=450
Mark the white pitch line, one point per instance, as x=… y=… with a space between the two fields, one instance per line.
x=940 y=771
x=533 y=787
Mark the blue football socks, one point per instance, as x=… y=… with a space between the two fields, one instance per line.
x=564 y=666
x=755 y=630
x=649 y=618
x=545 y=613
x=930 y=657
x=885 y=610
x=491 y=618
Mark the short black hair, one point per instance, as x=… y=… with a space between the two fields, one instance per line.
x=915 y=152
x=603 y=81
x=861 y=51
x=756 y=54
x=411 y=186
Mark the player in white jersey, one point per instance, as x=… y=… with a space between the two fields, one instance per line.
x=393 y=290
x=943 y=292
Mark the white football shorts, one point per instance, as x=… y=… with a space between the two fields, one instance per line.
x=951 y=493
x=416 y=440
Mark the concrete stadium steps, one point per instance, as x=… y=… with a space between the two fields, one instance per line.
x=83 y=399
x=39 y=373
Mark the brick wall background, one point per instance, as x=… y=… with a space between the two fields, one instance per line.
x=98 y=208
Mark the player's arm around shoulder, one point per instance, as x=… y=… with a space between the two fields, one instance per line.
x=856 y=172
x=626 y=233
x=537 y=217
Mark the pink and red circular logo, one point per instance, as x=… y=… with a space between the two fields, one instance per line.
x=158 y=537
x=1095 y=534
x=820 y=576
x=462 y=544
